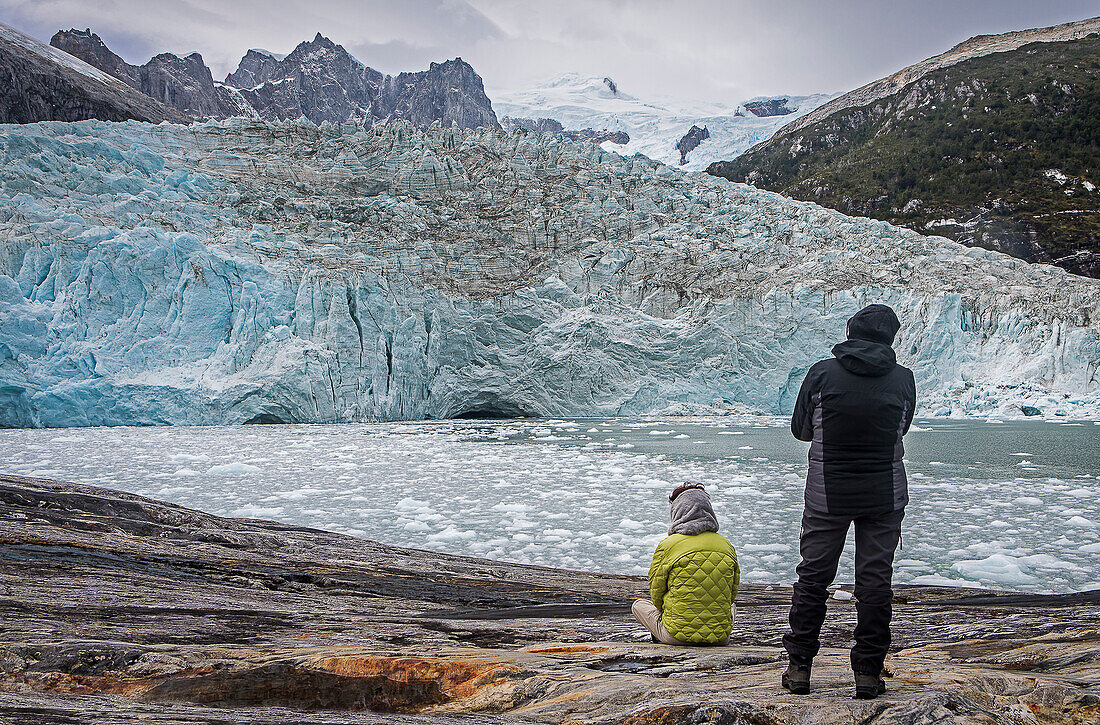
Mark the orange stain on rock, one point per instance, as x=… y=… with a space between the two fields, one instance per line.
x=457 y=678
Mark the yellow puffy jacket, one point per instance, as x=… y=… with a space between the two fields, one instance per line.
x=693 y=581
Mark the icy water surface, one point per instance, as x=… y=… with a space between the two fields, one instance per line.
x=1011 y=505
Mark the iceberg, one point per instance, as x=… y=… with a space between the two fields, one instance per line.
x=249 y=271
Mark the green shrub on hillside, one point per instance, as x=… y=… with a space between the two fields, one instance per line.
x=1001 y=151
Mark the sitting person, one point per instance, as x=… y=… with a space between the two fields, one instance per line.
x=694 y=576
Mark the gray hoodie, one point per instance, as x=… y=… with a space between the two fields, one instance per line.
x=691 y=513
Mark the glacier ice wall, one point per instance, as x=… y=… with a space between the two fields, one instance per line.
x=249 y=271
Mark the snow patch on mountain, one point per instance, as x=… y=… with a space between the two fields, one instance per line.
x=265 y=51
x=654 y=125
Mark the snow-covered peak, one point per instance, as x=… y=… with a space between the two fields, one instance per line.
x=655 y=125
x=581 y=86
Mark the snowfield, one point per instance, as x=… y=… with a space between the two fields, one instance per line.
x=243 y=271
x=655 y=126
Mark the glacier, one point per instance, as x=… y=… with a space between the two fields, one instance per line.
x=250 y=271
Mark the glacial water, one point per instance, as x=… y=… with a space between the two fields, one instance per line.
x=1012 y=505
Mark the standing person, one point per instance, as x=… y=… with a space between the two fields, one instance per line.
x=853 y=409
x=694 y=576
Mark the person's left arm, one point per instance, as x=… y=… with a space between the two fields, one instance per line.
x=658 y=577
x=802 y=419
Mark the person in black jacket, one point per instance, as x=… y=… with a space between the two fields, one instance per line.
x=853 y=409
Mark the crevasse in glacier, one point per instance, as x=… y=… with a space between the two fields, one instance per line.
x=247 y=271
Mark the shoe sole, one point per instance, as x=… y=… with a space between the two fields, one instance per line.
x=797 y=689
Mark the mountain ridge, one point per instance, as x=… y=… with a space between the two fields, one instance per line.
x=975 y=46
x=45 y=83
x=319 y=80
x=999 y=150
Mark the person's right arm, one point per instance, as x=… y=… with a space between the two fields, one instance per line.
x=802 y=422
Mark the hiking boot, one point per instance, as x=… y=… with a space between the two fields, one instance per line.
x=868 y=687
x=797 y=679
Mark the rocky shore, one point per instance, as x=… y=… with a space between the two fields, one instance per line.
x=117 y=608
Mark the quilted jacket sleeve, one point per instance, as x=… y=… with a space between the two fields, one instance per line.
x=658 y=576
x=735 y=580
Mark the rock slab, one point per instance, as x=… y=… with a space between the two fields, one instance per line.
x=123 y=609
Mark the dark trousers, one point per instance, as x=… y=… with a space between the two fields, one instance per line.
x=821 y=544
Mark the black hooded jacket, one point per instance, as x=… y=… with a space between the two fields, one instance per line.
x=854 y=410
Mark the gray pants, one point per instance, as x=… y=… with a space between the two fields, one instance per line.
x=821 y=544
x=650 y=618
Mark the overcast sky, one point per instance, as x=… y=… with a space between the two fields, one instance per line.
x=687 y=49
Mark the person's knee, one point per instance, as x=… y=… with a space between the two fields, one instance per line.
x=811 y=590
x=873 y=596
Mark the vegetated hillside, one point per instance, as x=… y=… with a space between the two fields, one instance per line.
x=1000 y=151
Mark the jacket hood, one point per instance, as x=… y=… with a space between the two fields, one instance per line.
x=863 y=357
x=691 y=513
x=876 y=323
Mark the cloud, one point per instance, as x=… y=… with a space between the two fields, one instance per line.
x=714 y=50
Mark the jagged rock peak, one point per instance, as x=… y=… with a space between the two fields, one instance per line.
x=769 y=107
x=184 y=82
x=691 y=140
x=45 y=83
x=319 y=80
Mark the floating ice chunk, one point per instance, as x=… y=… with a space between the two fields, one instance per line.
x=997 y=568
x=842 y=595
x=452 y=534
x=938 y=580
x=185 y=472
x=1028 y=501
x=1090 y=548
x=189 y=457
x=233 y=469
x=257 y=512
x=1081 y=521
x=765 y=547
x=516 y=508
